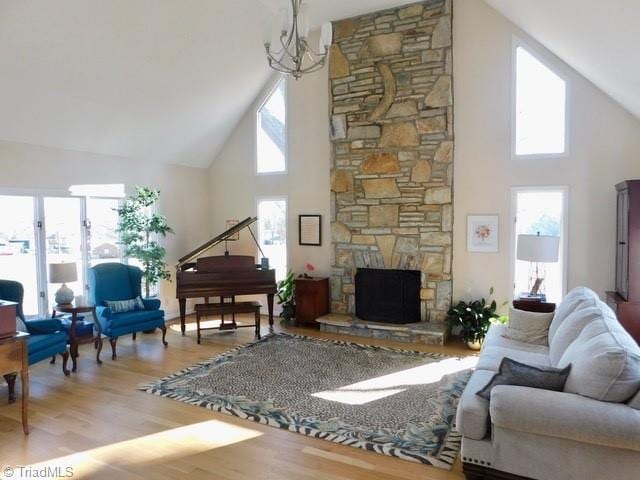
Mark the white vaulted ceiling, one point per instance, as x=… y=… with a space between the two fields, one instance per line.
x=599 y=39
x=168 y=80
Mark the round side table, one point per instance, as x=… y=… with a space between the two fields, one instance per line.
x=74 y=339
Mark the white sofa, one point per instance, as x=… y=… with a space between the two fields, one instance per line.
x=591 y=430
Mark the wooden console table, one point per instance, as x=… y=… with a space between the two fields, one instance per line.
x=74 y=339
x=14 y=357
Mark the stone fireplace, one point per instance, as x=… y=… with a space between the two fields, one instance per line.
x=391 y=107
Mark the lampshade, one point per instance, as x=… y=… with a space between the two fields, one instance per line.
x=63 y=272
x=538 y=248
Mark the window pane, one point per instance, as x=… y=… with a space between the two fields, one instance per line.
x=103 y=238
x=272 y=232
x=18 y=247
x=540 y=211
x=271 y=136
x=540 y=107
x=63 y=239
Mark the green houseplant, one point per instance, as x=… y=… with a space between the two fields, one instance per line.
x=139 y=227
x=286 y=299
x=474 y=319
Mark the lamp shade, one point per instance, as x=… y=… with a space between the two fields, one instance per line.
x=63 y=272
x=538 y=248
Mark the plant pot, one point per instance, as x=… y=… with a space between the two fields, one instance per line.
x=477 y=345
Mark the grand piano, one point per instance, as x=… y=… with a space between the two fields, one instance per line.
x=223 y=275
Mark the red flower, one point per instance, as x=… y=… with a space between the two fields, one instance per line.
x=310 y=268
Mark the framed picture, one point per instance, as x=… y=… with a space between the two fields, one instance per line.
x=309 y=230
x=482 y=233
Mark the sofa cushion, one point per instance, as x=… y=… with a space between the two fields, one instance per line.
x=605 y=362
x=492 y=356
x=523 y=375
x=528 y=327
x=635 y=401
x=569 y=330
x=576 y=299
x=472 y=416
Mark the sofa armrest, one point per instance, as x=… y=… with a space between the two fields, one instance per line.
x=565 y=415
x=151 y=303
x=43 y=326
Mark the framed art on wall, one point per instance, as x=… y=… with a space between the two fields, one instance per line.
x=309 y=230
x=482 y=233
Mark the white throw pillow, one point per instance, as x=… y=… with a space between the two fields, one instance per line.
x=528 y=327
x=21 y=326
x=576 y=299
x=605 y=362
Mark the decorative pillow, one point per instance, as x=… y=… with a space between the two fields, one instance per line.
x=21 y=326
x=522 y=375
x=122 y=306
x=528 y=327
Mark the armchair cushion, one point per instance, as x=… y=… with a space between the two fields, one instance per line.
x=132 y=318
x=42 y=342
x=44 y=326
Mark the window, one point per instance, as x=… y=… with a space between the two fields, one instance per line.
x=540 y=107
x=271 y=135
x=36 y=231
x=272 y=232
x=540 y=210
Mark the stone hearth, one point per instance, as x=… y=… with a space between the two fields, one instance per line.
x=422 y=332
x=391 y=106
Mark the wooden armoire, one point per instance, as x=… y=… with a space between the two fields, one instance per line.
x=625 y=300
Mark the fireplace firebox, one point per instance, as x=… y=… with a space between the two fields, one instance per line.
x=391 y=296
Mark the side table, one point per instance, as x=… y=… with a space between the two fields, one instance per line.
x=14 y=357
x=312 y=300
x=74 y=339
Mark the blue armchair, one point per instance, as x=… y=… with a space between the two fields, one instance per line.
x=116 y=281
x=47 y=337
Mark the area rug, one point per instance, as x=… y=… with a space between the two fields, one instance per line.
x=395 y=402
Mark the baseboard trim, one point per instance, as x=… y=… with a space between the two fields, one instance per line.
x=478 y=472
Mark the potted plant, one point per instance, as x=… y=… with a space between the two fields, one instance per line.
x=139 y=227
x=474 y=319
x=286 y=299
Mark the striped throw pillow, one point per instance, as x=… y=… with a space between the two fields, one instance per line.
x=122 y=306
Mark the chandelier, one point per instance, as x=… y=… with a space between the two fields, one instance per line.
x=292 y=53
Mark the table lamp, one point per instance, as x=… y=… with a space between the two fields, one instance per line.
x=63 y=273
x=537 y=249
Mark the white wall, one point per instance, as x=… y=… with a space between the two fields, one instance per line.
x=604 y=149
x=235 y=186
x=184 y=197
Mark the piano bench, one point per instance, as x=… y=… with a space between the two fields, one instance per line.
x=228 y=308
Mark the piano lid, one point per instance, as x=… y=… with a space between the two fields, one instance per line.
x=219 y=239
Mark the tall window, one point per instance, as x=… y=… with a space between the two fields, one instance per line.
x=272 y=232
x=540 y=107
x=543 y=211
x=36 y=231
x=271 y=135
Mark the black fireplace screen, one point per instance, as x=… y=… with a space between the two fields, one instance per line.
x=391 y=296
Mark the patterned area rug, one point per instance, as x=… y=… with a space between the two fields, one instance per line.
x=395 y=402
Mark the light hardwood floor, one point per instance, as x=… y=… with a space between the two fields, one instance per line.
x=97 y=423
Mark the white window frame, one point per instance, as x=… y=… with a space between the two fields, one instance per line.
x=261 y=198
x=564 y=252
x=274 y=85
x=40 y=235
x=554 y=65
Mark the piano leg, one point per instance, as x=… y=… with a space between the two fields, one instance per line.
x=183 y=311
x=270 y=306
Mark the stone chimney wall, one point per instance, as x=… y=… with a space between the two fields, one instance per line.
x=391 y=107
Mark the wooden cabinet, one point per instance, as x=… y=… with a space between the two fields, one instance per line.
x=626 y=298
x=312 y=300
